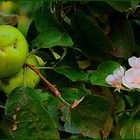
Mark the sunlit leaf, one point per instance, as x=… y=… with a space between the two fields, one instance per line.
x=51 y=37
x=98 y=76
x=131 y=130
x=72 y=73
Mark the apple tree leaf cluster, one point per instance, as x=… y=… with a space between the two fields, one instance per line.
x=59 y=90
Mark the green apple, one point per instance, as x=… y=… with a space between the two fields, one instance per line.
x=13 y=50
x=30 y=77
x=25 y=77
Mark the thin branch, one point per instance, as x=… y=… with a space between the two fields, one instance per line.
x=48 y=68
x=1 y=106
x=51 y=87
x=124 y=111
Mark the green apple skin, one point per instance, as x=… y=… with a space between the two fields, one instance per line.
x=13 y=50
x=31 y=78
x=25 y=77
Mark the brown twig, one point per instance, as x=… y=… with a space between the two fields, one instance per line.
x=51 y=87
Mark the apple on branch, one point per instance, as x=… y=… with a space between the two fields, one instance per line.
x=25 y=77
x=13 y=50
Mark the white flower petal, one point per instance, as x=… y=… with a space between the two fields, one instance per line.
x=110 y=79
x=135 y=86
x=119 y=72
x=131 y=79
x=126 y=83
x=116 y=78
x=134 y=62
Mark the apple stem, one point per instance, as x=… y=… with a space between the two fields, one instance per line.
x=51 y=87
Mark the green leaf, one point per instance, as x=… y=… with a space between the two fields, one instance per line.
x=107 y=93
x=69 y=124
x=107 y=127
x=44 y=18
x=136 y=31
x=90 y=38
x=92 y=115
x=83 y=64
x=44 y=96
x=51 y=37
x=52 y=107
x=131 y=130
x=33 y=121
x=100 y=10
x=120 y=106
x=121 y=6
x=98 y=76
x=72 y=73
x=134 y=4
x=122 y=37
x=72 y=94
x=5 y=124
x=130 y=100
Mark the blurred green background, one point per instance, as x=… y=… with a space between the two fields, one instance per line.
x=24 y=9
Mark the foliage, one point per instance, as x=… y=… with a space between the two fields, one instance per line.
x=81 y=43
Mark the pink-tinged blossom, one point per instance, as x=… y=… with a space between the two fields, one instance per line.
x=115 y=79
x=111 y=80
x=134 y=62
x=131 y=79
x=119 y=73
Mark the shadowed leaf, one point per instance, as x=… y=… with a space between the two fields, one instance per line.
x=90 y=38
x=122 y=37
x=32 y=119
x=91 y=116
x=121 y=6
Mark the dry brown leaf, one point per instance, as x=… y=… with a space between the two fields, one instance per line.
x=76 y=102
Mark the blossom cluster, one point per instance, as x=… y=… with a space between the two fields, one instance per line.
x=129 y=78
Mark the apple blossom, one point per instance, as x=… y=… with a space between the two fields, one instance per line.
x=119 y=72
x=131 y=79
x=134 y=62
x=116 y=78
